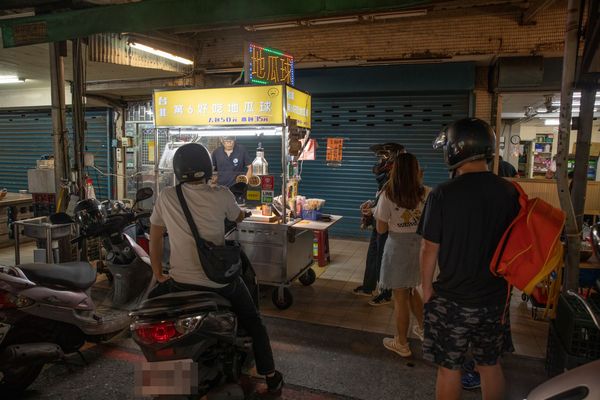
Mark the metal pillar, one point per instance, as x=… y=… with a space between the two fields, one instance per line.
x=582 y=153
x=78 y=95
x=498 y=123
x=571 y=278
x=59 y=130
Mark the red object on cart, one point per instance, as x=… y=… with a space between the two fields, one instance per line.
x=321 y=248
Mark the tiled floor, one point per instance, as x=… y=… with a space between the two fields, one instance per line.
x=329 y=300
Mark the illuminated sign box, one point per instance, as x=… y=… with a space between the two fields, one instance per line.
x=234 y=106
x=265 y=66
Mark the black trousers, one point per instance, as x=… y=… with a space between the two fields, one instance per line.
x=374 y=257
x=248 y=316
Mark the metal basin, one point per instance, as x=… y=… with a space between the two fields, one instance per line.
x=36 y=228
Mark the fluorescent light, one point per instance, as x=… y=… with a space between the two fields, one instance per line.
x=395 y=15
x=160 y=53
x=270 y=131
x=551 y=122
x=275 y=25
x=335 y=20
x=11 y=79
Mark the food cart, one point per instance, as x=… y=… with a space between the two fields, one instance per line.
x=279 y=247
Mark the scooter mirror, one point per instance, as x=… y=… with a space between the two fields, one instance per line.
x=61 y=218
x=143 y=194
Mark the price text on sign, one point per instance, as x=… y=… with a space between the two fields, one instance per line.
x=334 y=149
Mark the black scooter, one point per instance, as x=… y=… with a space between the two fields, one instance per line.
x=193 y=343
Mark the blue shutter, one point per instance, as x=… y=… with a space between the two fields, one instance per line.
x=412 y=120
x=26 y=135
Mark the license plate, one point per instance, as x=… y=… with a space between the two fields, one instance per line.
x=4 y=328
x=176 y=377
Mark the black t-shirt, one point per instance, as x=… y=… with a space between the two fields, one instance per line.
x=229 y=167
x=467 y=216
x=506 y=169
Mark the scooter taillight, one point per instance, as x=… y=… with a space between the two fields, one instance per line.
x=164 y=331
x=161 y=332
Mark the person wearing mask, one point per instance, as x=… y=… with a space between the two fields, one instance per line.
x=210 y=206
x=231 y=160
x=462 y=224
x=506 y=169
x=399 y=212
x=386 y=154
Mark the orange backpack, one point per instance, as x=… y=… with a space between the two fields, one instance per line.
x=530 y=249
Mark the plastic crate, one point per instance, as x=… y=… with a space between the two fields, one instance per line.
x=575 y=327
x=311 y=215
x=558 y=359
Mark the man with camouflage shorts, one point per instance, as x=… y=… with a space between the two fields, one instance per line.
x=462 y=223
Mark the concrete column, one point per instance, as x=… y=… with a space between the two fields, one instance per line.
x=59 y=129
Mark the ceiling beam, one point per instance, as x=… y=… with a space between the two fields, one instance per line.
x=534 y=9
x=151 y=15
x=108 y=86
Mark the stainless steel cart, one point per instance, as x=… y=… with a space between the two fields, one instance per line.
x=279 y=254
x=40 y=228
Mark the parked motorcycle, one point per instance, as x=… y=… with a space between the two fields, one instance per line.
x=193 y=343
x=49 y=310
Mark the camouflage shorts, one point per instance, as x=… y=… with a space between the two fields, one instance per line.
x=450 y=330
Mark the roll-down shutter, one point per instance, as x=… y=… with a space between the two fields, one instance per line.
x=412 y=120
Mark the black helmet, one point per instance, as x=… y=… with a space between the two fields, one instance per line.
x=192 y=162
x=90 y=215
x=466 y=140
x=386 y=154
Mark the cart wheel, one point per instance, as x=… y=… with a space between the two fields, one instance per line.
x=308 y=278
x=524 y=297
x=285 y=301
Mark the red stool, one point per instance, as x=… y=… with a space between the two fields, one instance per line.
x=321 y=248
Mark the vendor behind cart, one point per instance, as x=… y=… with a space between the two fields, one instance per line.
x=231 y=160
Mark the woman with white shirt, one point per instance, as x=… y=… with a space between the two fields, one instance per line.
x=399 y=212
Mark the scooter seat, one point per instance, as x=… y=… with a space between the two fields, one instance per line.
x=75 y=275
x=182 y=299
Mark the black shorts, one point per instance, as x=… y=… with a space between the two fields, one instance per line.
x=450 y=330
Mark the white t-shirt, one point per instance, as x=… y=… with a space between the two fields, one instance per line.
x=399 y=220
x=209 y=205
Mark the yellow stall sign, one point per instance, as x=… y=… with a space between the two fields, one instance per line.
x=248 y=105
x=298 y=106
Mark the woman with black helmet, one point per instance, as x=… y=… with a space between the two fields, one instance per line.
x=210 y=205
x=462 y=223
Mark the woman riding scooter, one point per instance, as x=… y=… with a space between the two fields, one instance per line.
x=209 y=206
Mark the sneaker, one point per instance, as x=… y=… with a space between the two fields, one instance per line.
x=470 y=380
x=419 y=332
x=397 y=347
x=275 y=382
x=380 y=300
x=360 y=291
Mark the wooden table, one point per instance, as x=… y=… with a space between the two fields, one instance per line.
x=22 y=205
x=13 y=199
